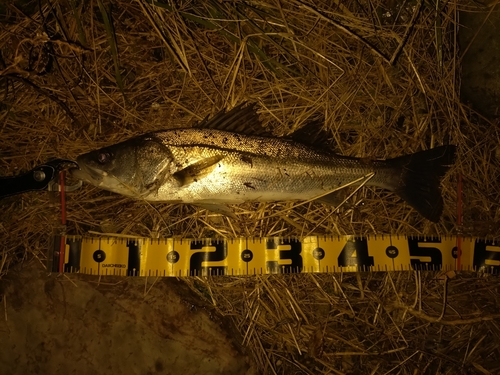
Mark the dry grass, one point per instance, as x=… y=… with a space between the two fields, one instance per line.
x=76 y=76
x=365 y=323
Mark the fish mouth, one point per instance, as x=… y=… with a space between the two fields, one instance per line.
x=102 y=179
x=88 y=174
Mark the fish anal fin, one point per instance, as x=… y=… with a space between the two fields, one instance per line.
x=333 y=199
x=194 y=172
x=217 y=208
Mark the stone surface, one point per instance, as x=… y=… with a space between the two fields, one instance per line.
x=77 y=324
x=479 y=39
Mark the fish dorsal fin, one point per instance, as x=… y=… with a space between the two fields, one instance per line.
x=242 y=119
x=194 y=172
x=312 y=134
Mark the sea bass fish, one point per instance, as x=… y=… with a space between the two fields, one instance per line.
x=209 y=167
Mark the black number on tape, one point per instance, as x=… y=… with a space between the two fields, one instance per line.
x=486 y=255
x=392 y=252
x=196 y=260
x=318 y=253
x=99 y=256
x=75 y=253
x=173 y=257
x=291 y=256
x=246 y=256
x=134 y=258
x=355 y=253
x=434 y=256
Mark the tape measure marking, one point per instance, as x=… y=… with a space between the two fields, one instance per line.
x=251 y=256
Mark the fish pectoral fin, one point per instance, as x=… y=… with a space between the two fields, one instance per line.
x=218 y=208
x=197 y=170
x=152 y=188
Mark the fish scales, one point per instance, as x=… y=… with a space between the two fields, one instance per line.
x=254 y=168
x=212 y=167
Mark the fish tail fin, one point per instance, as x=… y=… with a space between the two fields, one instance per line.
x=420 y=177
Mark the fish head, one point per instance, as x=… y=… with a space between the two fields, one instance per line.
x=132 y=168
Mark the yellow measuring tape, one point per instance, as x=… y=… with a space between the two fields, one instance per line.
x=251 y=256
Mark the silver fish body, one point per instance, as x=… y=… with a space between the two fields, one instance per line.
x=213 y=167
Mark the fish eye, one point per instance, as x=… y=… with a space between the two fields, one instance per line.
x=103 y=157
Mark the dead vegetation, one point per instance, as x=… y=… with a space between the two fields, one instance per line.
x=382 y=77
x=365 y=323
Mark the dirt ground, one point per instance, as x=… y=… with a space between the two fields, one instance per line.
x=77 y=324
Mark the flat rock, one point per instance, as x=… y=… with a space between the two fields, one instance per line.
x=78 y=324
x=479 y=39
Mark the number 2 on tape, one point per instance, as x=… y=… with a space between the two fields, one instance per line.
x=214 y=251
